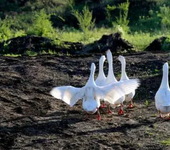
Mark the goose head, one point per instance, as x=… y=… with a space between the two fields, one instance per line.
x=121 y=58
x=109 y=56
x=165 y=67
x=102 y=59
x=93 y=67
x=165 y=82
x=123 y=68
x=91 y=81
x=100 y=80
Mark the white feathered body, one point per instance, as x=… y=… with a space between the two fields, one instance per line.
x=162 y=100
x=162 y=97
x=124 y=77
x=111 y=79
x=128 y=97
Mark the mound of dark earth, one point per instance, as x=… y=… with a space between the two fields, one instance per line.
x=156 y=45
x=38 y=44
x=30 y=118
x=115 y=42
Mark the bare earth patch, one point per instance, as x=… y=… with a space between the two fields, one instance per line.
x=30 y=118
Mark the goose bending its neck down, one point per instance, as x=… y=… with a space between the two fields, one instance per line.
x=124 y=77
x=162 y=97
x=111 y=79
x=91 y=94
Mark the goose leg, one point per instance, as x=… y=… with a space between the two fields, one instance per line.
x=131 y=104
x=160 y=114
x=121 y=112
x=98 y=114
x=168 y=116
x=109 y=111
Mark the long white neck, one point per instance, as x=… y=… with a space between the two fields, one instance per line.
x=123 y=70
x=101 y=72
x=91 y=78
x=165 y=82
x=111 y=75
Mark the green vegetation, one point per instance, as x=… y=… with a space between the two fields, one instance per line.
x=166 y=142
x=166 y=45
x=122 y=19
x=141 y=39
x=80 y=21
x=165 y=18
x=42 y=26
x=12 y=55
x=146 y=103
x=5 y=31
x=32 y=53
x=85 y=21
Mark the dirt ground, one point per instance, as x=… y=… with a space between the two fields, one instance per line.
x=30 y=118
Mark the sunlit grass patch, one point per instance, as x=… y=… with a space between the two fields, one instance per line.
x=74 y=35
x=12 y=55
x=31 y=53
x=166 y=142
x=141 y=40
x=49 y=52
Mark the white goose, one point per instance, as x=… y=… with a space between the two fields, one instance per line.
x=123 y=78
x=101 y=78
x=162 y=97
x=91 y=93
x=111 y=79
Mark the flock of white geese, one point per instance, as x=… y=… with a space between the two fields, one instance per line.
x=108 y=90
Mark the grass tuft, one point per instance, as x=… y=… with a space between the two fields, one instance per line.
x=166 y=142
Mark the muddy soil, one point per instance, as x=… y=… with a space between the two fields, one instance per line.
x=30 y=118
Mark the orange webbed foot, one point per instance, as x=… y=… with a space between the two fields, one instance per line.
x=109 y=112
x=99 y=117
x=121 y=112
x=131 y=105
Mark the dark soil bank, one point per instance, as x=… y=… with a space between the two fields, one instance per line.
x=30 y=118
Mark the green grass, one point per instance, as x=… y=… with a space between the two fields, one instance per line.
x=73 y=35
x=31 y=53
x=49 y=52
x=141 y=40
x=146 y=103
x=166 y=142
x=12 y=55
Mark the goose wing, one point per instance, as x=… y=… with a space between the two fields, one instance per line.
x=68 y=94
x=165 y=97
x=113 y=92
